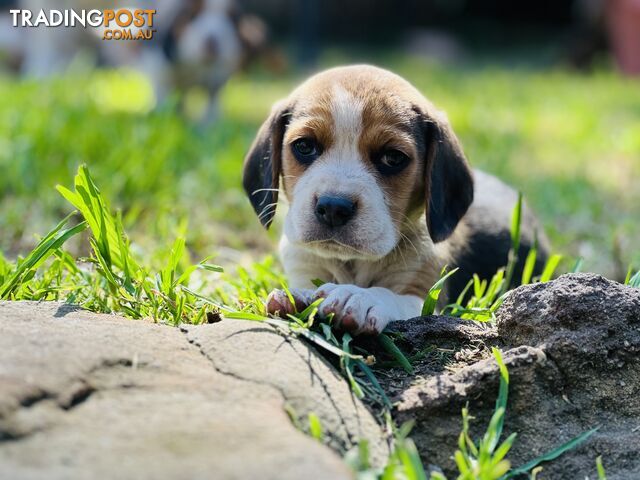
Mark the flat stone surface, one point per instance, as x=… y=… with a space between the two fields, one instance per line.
x=84 y=395
x=258 y=354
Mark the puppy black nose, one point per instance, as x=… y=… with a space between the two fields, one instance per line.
x=334 y=211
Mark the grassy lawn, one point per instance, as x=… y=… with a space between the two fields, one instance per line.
x=571 y=143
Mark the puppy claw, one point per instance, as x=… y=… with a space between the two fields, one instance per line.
x=349 y=324
x=355 y=309
x=279 y=304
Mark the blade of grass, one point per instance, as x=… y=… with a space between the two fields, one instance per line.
x=550 y=268
x=552 y=455
x=634 y=281
x=45 y=248
x=347 y=369
x=374 y=381
x=389 y=345
x=429 y=305
x=577 y=267
x=529 y=265
x=503 y=395
x=315 y=426
x=408 y=455
x=516 y=215
x=601 y=473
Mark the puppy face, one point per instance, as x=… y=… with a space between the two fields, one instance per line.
x=349 y=166
x=361 y=155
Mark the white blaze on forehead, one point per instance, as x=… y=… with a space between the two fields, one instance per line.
x=341 y=170
x=346 y=110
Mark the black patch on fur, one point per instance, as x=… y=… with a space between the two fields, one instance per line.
x=448 y=178
x=262 y=166
x=450 y=184
x=484 y=253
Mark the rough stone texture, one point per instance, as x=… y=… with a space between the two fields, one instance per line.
x=572 y=350
x=435 y=344
x=440 y=327
x=96 y=396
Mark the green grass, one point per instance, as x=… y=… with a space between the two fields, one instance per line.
x=602 y=475
x=568 y=142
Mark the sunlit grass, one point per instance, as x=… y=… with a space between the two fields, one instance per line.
x=122 y=91
x=569 y=142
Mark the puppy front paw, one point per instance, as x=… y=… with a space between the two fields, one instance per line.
x=279 y=304
x=354 y=309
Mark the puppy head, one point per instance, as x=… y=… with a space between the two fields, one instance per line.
x=361 y=154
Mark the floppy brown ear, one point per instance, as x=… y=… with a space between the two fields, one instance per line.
x=263 y=164
x=449 y=181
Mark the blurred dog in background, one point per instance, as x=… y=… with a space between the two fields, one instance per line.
x=196 y=43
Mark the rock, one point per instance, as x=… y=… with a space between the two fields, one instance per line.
x=582 y=309
x=97 y=396
x=571 y=346
x=305 y=380
x=590 y=328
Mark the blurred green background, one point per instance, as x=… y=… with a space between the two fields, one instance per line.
x=570 y=142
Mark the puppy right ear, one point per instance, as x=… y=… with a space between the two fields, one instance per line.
x=263 y=164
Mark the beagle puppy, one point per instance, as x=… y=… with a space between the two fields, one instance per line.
x=380 y=196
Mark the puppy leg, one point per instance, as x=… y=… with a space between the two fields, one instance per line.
x=365 y=310
x=278 y=302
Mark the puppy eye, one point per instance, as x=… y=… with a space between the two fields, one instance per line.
x=392 y=161
x=306 y=150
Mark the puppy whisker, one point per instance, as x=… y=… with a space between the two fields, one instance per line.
x=266 y=211
x=265 y=190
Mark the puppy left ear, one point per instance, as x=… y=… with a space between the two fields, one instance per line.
x=263 y=164
x=449 y=181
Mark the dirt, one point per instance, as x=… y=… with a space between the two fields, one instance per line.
x=572 y=349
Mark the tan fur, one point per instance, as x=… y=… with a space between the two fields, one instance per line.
x=313 y=119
